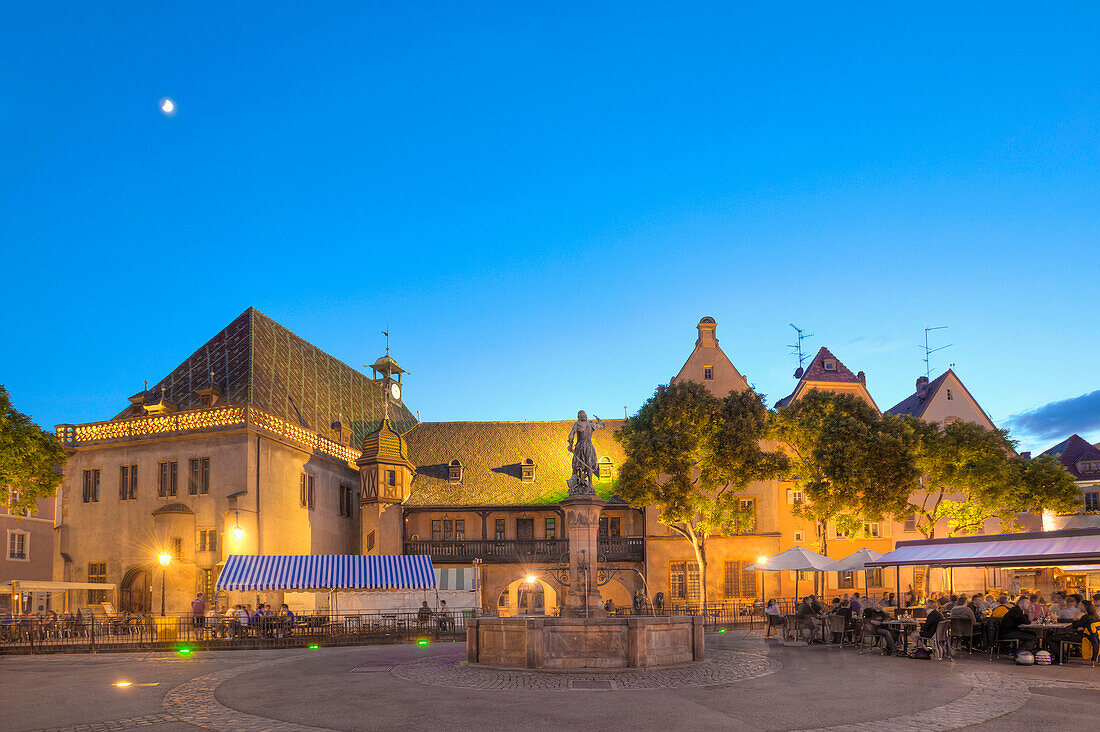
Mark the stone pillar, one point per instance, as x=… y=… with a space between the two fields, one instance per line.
x=582 y=520
x=472 y=651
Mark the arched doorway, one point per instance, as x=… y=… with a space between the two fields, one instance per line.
x=524 y=597
x=135 y=592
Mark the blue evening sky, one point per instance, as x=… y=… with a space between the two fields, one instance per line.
x=540 y=201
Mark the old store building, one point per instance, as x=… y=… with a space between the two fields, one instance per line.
x=248 y=446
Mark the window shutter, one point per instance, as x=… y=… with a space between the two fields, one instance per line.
x=790 y=496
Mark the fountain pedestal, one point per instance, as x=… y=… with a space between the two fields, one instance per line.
x=582 y=521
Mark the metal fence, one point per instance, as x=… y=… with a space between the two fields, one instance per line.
x=31 y=635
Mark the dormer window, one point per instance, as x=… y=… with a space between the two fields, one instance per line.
x=605 y=468
x=708 y=373
x=527 y=471
x=829 y=364
x=454 y=472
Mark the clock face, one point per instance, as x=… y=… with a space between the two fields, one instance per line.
x=395 y=389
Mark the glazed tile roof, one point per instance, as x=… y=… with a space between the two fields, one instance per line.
x=259 y=362
x=1070 y=451
x=491 y=454
x=816 y=373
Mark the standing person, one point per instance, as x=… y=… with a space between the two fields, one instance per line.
x=856 y=605
x=198 y=611
x=444 y=617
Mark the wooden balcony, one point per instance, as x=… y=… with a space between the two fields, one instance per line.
x=491 y=551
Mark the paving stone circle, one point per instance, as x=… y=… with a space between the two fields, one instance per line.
x=722 y=667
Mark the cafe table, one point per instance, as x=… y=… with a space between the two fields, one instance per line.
x=905 y=626
x=1042 y=629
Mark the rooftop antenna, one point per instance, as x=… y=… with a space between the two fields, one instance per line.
x=929 y=351
x=797 y=347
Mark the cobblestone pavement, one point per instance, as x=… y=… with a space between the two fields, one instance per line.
x=992 y=695
x=118 y=724
x=194 y=702
x=722 y=667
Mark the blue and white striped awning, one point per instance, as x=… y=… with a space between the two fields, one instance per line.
x=252 y=573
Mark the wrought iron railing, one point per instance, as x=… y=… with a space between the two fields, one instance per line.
x=29 y=634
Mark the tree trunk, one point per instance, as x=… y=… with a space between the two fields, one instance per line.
x=699 y=545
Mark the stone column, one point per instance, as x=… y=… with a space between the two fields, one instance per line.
x=582 y=520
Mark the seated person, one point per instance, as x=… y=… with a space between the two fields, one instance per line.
x=1057 y=603
x=948 y=606
x=772 y=608
x=1035 y=608
x=891 y=601
x=963 y=610
x=806 y=618
x=1001 y=607
x=1075 y=632
x=1069 y=610
x=874 y=618
x=844 y=611
x=1011 y=621
x=932 y=619
x=856 y=604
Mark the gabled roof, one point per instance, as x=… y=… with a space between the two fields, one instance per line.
x=491 y=454
x=259 y=362
x=918 y=401
x=1071 y=450
x=816 y=374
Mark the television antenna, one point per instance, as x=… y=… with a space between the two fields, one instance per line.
x=797 y=348
x=929 y=351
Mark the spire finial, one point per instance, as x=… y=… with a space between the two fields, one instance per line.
x=387 y=334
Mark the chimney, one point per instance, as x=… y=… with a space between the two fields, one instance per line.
x=922 y=382
x=706 y=328
x=862 y=378
x=1026 y=455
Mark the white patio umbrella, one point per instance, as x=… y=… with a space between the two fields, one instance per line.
x=857 y=562
x=796 y=559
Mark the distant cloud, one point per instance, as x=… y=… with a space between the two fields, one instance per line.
x=1058 y=420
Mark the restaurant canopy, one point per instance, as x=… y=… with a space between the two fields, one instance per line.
x=796 y=558
x=1033 y=549
x=326 y=572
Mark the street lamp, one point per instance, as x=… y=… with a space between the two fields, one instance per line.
x=164 y=560
x=238 y=532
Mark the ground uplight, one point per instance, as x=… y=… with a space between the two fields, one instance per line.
x=422 y=642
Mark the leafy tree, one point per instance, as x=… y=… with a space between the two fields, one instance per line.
x=971 y=475
x=690 y=454
x=30 y=459
x=851 y=465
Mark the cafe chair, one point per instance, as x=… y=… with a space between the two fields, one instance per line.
x=836 y=625
x=1089 y=646
x=963 y=630
x=869 y=636
x=776 y=621
x=996 y=641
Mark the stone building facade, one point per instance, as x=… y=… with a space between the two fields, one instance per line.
x=28 y=550
x=245 y=447
x=260 y=443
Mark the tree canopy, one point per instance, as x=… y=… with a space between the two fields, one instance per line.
x=30 y=459
x=971 y=474
x=851 y=465
x=690 y=455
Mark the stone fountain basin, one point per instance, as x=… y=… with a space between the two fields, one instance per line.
x=569 y=644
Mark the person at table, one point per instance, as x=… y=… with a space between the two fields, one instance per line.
x=932 y=619
x=874 y=617
x=424 y=614
x=1057 y=603
x=856 y=605
x=1011 y=621
x=910 y=597
x=1070 y=612
x=1075 y=632
x=806 y=618
x=842 y=608
x=1035 y=609
x=286 y=620
x=891 y=601
x=772 y=608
